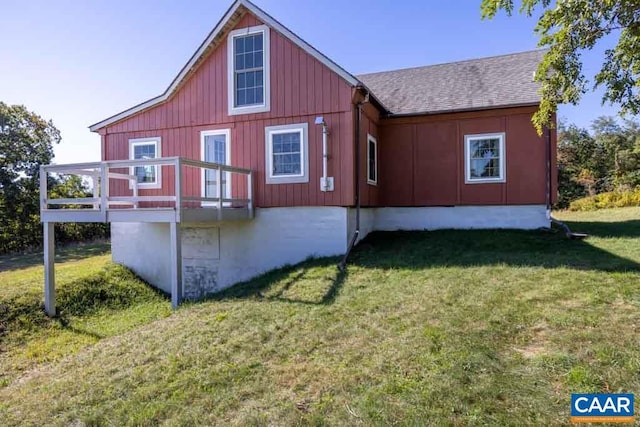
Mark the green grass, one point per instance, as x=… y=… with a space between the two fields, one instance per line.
x=96 y=300
x=441 y=328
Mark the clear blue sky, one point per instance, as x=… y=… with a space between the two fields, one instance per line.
x=78 y=62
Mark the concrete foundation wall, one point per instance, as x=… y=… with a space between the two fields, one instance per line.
x=144 y=248
x=367 y=223
x=215 y=257
x=527 y=217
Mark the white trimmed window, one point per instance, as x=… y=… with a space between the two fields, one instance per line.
x=372 y=160
x=248 y=70
x=484 y=158
x=287 y=154
x=146 y=148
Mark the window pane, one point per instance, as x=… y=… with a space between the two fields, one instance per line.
x=239 y=62
x=144 y=174
x=287 y=155
x=239 y=45
x=485 y=168
x=251 y=96
x=241 y=81
x=251 y=79
x=484 y=161
x=215 y=151
x=248 y=55
x=241 y=97
x=248 y=60
x=372 y=161
x=220 y=152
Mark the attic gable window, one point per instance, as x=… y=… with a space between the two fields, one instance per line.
x=484 y=158
x=248 y=70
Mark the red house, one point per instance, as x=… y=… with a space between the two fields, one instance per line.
x=263 y=152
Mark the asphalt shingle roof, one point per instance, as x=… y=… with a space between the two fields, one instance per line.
x=496 y=81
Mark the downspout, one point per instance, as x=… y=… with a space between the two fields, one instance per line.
x=567 y=231
x=356 y=233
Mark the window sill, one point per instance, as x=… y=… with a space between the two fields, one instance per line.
x=288 y=180
x=253 y=109
x=147 y=186
x=486 y=181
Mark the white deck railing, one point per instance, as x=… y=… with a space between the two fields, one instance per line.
x=102 y=201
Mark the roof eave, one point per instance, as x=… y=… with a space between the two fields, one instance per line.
x=464 y=110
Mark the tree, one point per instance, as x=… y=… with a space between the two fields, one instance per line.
x=568 y=27
x=26 y=142
x=605 y=158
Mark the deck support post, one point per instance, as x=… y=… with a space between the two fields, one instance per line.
x=49 y=269
x=175 y=236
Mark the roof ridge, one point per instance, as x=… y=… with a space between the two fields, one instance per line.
x=482 y=58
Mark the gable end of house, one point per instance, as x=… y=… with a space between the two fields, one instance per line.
x=217 y=38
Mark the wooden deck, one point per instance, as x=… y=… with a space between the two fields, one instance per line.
x=173 y=205
x=182 y=215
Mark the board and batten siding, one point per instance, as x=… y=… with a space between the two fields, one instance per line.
x=422 y=160
x=370 y=194
x=301 y=89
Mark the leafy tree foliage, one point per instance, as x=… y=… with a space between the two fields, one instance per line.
x=26 y=142
x=567 y=28
x=604 y=158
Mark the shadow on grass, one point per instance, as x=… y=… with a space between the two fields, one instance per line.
x=307 y=283
x=74 y=252
x=460 y=248
x=629 y=228
x=445 y=248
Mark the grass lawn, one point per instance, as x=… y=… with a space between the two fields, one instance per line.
x=97 y=300
x=441 y=328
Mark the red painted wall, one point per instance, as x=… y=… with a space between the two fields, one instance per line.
x=422 y=160
x=370 y=194
x=301 y=89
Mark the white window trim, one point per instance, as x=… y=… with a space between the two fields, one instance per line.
x=467 y=158
x=231 y=93
x=269 y=131
x=157 y=141
x=227 y=134
x=371 y=138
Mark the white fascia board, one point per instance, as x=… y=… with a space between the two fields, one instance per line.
x=264 y=17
